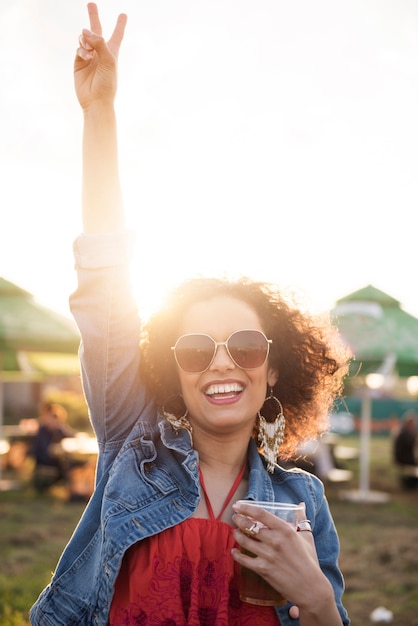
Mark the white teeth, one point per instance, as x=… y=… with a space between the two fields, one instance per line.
x=227 y=388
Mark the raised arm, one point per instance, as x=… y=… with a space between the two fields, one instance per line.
x=95 y=79
x=103 y=304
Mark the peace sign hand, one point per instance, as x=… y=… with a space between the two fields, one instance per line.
x=95 y=65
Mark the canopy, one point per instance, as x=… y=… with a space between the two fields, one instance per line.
x=383 y=339
x=26 y=326
x=377 y=330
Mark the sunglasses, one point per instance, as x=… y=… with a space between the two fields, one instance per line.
x=248 y=349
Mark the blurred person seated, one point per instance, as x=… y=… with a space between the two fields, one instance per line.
x=317 y=456
x=51 y=465
x=404 y=450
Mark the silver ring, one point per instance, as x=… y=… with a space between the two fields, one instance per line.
x=304 y=525
x=254 y=529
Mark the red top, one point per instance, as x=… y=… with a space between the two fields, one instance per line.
x=185 y=576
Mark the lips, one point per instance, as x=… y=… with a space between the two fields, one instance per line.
x=224 y=390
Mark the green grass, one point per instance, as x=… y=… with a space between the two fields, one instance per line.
x=34 y=531
x=379 y=544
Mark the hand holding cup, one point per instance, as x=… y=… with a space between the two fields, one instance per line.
x=268 y=547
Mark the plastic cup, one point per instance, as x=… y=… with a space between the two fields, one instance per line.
x=252 y=587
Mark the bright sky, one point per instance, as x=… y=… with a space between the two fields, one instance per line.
x=272 y=138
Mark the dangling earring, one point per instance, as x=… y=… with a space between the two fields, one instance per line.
x=172 y=408
x=271 y=429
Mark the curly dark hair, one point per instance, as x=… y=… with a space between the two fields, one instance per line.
x=307 y=352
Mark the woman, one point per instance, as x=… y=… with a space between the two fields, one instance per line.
x=179 y=422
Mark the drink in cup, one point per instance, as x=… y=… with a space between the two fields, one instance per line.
x=252 y=587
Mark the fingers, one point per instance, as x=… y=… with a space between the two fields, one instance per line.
x=85 y=50
x=92 y=39
x=261 y=537
x=96 y=26
x=249 y=525
x=307 y=537
x=254 y=529
x=90 y=42
x=253 y=514
x=119 y=31
x=93 y=12
x=263 y=533
x=300 y=514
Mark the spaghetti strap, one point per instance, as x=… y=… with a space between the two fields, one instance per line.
x=228 y=497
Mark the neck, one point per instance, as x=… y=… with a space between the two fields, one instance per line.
x=219 y=455
x=220 y=467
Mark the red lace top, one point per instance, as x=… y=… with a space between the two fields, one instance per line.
x=185 y=576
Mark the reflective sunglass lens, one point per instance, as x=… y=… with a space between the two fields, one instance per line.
x=194 y=352
x=248 y=348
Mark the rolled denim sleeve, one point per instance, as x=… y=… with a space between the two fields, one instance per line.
x=106 y=314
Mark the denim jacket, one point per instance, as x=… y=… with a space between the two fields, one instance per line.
x=147 y=474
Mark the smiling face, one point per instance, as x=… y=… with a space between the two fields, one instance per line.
x=224 y=398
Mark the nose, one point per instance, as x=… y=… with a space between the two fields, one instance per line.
x=222 y=361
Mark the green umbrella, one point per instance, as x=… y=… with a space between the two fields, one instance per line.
x=26 y=326
x=384 y=340
x=34 y=341
x=377 y=330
